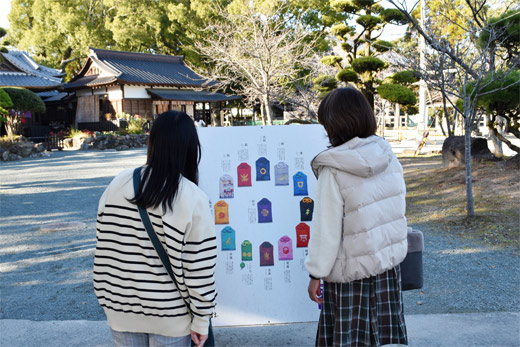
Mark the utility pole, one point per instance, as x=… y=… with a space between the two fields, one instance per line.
x=423 y=115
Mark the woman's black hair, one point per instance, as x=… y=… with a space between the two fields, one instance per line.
x=173 y=151
x=345 y=113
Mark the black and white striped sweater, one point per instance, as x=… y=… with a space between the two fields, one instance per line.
x=131 y=283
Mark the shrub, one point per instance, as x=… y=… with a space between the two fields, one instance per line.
x=347 y=75
x=324 y=83
x=382 y=46
x=347 y=47
x=361 y=3
x=411 y=109
x=5 y=102
x=394 y=16
x=135 y=124
x=340 y=30
x=397 y=93
x=501 y=101
x=73 y=132
x=331 y=60
x=123 y=115
x=406 y=77
x=343 y=6
x=369 y=22
x=23 y=103
x=507 y=26
x=368 y=64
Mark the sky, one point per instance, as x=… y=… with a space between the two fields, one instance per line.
x=5 y=7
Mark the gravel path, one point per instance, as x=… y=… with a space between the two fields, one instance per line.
x=47 y=275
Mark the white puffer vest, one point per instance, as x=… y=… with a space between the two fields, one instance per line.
x=370 y=179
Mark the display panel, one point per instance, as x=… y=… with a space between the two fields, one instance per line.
x=261 y=191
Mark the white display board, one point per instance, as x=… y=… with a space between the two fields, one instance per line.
x=257 y=283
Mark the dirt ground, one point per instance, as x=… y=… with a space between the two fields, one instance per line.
x=436 y=196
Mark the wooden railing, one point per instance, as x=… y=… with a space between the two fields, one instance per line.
x=53 y=142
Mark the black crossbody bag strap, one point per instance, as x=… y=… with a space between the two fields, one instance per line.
x=153 y=236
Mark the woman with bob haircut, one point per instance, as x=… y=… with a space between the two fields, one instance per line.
x=359 y=230
x=142 y=304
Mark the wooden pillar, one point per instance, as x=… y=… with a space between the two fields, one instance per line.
x=213 y=121
x=397 y=115
x=221 y=112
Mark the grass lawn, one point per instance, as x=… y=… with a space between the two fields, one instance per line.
x=436 y=199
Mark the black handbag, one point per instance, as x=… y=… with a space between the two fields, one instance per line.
x=210 y=342
x=412 y=265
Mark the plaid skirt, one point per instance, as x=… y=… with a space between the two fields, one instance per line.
x=366 y=312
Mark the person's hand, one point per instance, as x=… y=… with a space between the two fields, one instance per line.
x=198 y=339
x=315 y=291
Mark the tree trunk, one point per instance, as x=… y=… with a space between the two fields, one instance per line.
x=506 y=141
x=456 y=117
x=447 y=115
x=221 y=114
x=470 y=203
x=66 y=58
x=370 y=97
x=442 y=127
x=497 y=144
x=267 y=105
x=11 y=126
x=385 y=117
x=9 y=130
x=262 y=112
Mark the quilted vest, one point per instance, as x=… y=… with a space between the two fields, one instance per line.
x=371 y=183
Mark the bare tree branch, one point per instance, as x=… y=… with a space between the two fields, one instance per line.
x=257 y=54
x=431 y=41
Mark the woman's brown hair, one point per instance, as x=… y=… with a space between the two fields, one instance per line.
x=345 y=113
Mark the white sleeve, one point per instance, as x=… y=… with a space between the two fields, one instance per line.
x=199 y=258
x=326 y=227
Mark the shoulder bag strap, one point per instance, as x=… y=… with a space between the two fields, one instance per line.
x=153 y=236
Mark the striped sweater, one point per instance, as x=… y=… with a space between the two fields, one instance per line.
x=130 y=282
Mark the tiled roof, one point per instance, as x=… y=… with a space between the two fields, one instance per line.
x=190 y=95
x=25 y=63
x=21 y=79
x=52 y=95
x=57 y=97
x=141 y=68
x=90 y=81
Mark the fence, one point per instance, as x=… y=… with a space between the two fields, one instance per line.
x=98 y=126
x=37 y=132
x=53 y=142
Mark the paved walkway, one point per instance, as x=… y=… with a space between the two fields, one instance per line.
x=452 y=330
x=36 y=270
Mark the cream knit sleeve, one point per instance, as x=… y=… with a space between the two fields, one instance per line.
x=199 y=258
x=326 y=226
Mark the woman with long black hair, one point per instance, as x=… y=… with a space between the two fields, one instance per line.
x=142 y=304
